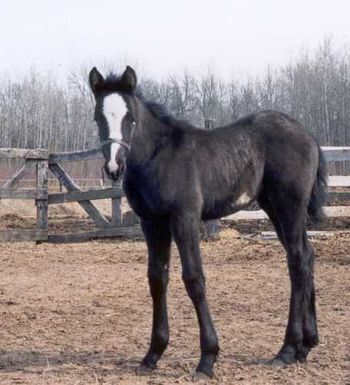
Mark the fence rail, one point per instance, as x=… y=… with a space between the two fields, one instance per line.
x=336 y=154
x=47 y=163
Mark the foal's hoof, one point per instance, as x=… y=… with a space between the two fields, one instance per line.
x=143 y=369
x=277 y=363
x=201 y=376
x=281 y=362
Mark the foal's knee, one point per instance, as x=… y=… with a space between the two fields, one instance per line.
x=158 y=287
x=158 y=281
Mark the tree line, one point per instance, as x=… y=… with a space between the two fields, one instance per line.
x=37 y=111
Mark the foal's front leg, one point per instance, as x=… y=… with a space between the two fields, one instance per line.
x=158 y=240
x=185 y=230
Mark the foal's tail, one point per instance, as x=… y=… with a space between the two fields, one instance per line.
x=318 y=193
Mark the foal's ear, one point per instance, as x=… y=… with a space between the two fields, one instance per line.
x=96 y=80
x=129 y=79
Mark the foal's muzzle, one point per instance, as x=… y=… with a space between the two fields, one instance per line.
x=115 y=174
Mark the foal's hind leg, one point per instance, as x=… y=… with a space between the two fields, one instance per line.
x=309 y=322
x=158 y=240
x=289 y=219
x=267 y=206
x=301 y=334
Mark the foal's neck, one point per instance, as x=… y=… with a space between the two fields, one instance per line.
x=149 y=133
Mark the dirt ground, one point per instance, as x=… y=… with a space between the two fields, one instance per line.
x=81 y=314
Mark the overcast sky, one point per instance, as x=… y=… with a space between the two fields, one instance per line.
x=161 y=37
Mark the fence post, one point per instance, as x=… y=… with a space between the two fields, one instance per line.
x=41 y=200
x=208 y=124
x=212 y=227
x=117 y=217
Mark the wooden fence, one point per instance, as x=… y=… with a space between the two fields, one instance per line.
x=44 y=163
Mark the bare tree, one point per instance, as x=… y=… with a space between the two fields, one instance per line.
x=38 y=111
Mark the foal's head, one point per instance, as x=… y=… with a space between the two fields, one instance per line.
x=115 y=123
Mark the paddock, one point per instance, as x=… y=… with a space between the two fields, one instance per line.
x=71 y=314
x=80 y=313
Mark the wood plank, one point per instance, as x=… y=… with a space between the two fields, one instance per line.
x=335 y=148
x=24 y=153
x=17 y=194
x=23 y=235
x=336 y=154
x=338 y=197
x=330 y=211
x=338 y=181
x=94 y=153
x=42 y=168
x=337 y=211
x=114 y=232
x=271 y=235
x=70 y=185
x=77 y=196
x=117 y=216
x=331 y=154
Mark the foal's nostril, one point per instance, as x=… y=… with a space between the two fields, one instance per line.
x=120 y=164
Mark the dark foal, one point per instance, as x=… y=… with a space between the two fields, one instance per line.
x=175 y=175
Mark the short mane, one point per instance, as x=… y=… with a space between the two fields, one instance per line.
x=160 y=112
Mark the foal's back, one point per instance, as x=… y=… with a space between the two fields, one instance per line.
x=230 y=165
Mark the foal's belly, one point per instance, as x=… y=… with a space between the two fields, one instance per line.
x=149 y=204
x=221 y=208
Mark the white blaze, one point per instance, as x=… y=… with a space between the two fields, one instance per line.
x=114 y=109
